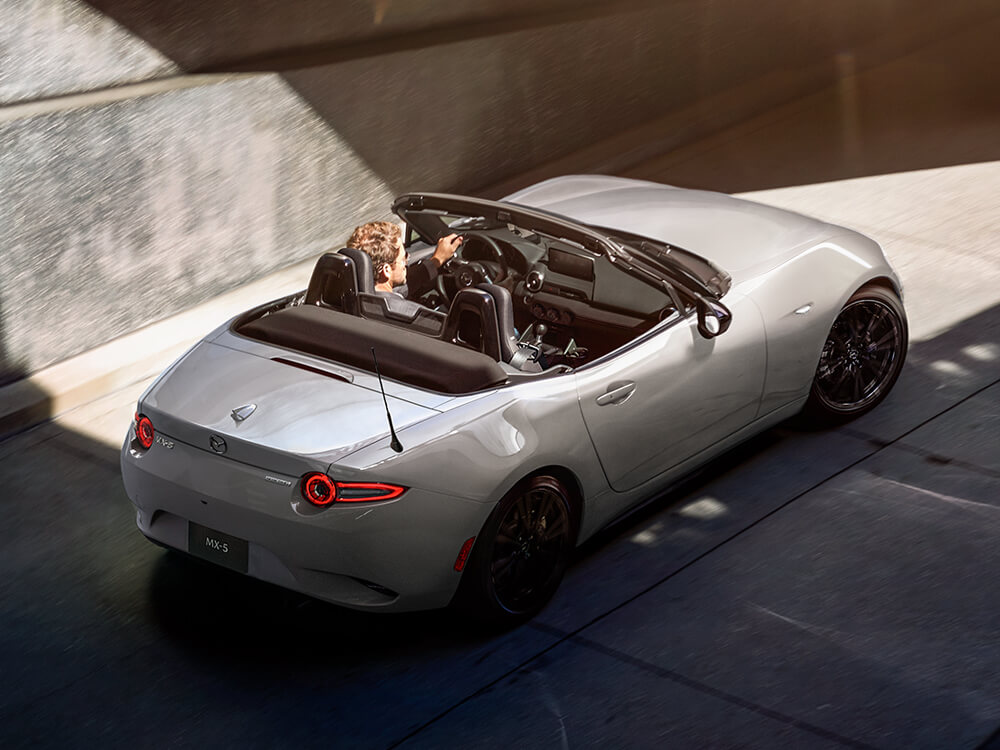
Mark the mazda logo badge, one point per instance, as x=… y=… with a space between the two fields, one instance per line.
x=217 y=443
x=242 y=412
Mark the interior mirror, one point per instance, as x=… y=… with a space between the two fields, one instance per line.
x=713 y=317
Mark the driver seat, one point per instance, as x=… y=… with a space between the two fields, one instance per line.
x=364 y=273
x=333 y=284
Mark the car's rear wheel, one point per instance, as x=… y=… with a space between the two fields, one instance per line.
x=861 y=358
x=522 y=552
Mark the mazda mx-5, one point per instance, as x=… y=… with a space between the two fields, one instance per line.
x=593 y=340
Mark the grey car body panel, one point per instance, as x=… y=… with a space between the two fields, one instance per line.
x=741 y=237
x=688 y=392
x=297 y=411
x=670 y=400
x=481 y=447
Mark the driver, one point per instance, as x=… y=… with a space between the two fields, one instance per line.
x=382 y=241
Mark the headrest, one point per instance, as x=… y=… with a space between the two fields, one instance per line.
x=363 y=269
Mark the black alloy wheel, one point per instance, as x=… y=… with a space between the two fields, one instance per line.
x=862 y=356
x=519 y=558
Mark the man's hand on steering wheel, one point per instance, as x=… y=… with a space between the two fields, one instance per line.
x=447 y=246
x=467 y=273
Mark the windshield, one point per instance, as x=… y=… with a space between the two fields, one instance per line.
x=435 y=215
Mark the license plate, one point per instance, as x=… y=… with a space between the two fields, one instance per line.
x=214 y=546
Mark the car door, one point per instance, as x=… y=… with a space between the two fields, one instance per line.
x=673 y=394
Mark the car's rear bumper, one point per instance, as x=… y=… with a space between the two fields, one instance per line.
x=395 y=555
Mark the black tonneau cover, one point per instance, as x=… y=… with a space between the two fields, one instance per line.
x=406 y=356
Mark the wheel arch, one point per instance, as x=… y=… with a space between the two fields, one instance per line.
x=883 y=281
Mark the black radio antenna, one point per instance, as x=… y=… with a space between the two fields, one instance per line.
x=394 y=443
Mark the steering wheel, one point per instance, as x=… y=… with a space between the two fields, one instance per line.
x=467 y=273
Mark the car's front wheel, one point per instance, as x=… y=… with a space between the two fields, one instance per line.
x=522 y=552
x=861 y=358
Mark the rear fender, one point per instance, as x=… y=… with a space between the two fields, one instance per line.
x=479 y=450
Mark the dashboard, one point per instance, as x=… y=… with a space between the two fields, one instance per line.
x=577 y=296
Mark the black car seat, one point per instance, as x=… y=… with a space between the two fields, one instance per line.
x=334 y=284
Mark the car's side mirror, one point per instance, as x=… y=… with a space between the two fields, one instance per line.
x=713 y=317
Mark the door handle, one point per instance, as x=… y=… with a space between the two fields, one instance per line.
x=616 y=394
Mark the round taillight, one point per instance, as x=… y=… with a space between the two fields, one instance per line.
x=319 y=489
x=144 y=432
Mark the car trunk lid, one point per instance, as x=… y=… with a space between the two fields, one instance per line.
x=278 y=412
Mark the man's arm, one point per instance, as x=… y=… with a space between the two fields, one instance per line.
x=420 y=276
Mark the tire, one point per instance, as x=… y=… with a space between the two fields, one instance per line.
x=861 y=358
x=519 y=557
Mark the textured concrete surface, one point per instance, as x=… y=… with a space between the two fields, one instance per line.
x=56 y=47
x=113 y=217
x=942 y=260
x=231 y=34
x=863 y=607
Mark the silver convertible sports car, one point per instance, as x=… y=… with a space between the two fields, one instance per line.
x=593 y=340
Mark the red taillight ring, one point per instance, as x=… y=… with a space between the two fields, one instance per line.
x=319 y=489
x=144 y=431
x=322 y=491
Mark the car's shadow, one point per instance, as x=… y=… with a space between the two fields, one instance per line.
x=229 y=616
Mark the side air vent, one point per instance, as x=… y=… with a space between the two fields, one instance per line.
x=534 y=281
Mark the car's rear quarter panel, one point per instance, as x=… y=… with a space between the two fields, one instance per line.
x=480 y=449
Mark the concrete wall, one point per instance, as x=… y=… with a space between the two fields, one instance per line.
x=153 y=155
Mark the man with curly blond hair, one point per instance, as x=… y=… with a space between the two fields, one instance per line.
x=382 y=241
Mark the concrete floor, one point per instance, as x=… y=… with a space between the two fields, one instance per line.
x=820 y=589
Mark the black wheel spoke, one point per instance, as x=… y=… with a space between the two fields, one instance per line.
x=875 y=321
x=503 y=567
x=522 y=513
x=545 y=505
x=857 y=387
x=872 y=370
x=886 y=341
x=842 y=374
x=556 y=528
